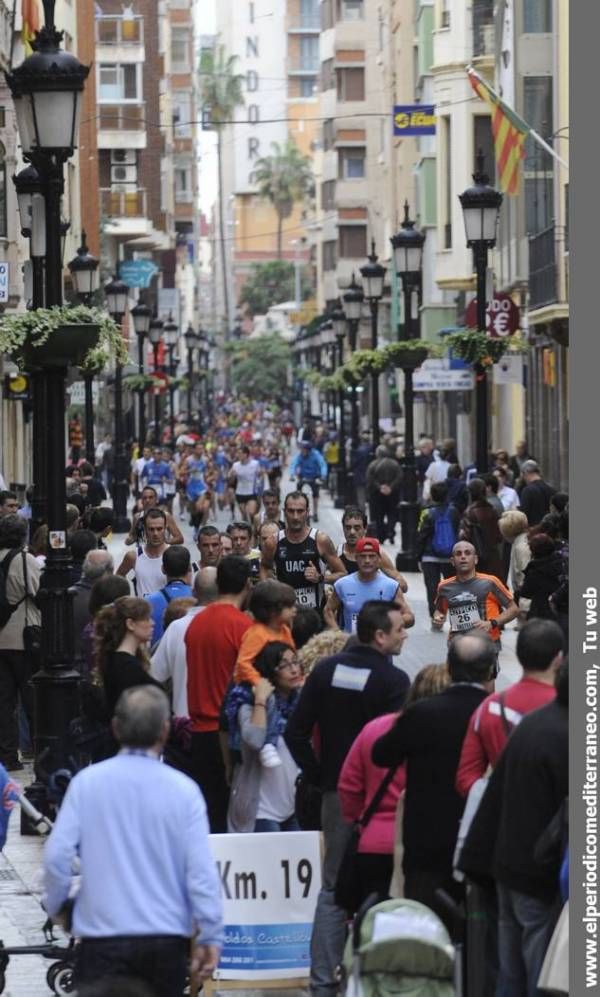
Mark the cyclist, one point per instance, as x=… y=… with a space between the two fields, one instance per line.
x=310 y=468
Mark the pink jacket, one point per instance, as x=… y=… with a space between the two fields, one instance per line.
x=359 y=781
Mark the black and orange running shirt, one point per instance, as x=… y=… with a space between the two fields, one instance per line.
x=483 y=597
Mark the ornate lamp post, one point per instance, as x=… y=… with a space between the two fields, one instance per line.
x=191 y=341
x=373 y=274
x=408 y=245
x=155 y=335
x=481 y=208
x=203 y=352
x=171 y=336
x=46 y=90
x=116 y=303
x=340 y=325
x=141 y=316
x=86 y=280
x=353 y=301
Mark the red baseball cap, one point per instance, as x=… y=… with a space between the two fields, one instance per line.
x=367 y=545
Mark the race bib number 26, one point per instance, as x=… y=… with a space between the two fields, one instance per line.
x=464 y=617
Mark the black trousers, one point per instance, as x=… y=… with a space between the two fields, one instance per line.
x=383 y=510
x=432 y=572
x=422 y=884
x=209 y=772
x=15 y=680
x=159 y=961
x=374 y=873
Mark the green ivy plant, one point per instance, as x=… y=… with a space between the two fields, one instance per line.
x=36 y=327
x=364 y=363
x=140 y=382
x=477 y=347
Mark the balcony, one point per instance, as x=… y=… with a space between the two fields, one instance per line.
x=483 y=28
x=125 y=211
x=304 y=66
x=543 y=278
x=122 y=126
x=118 y=31
x=304 y=24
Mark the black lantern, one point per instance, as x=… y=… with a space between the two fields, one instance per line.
x=141 y=316
x=116 y=294
x=373 y=274
x=481 y=208
x=27 y=183
x=84 y=270
x=408 y=249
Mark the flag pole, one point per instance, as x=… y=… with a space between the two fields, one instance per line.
x=537 y=138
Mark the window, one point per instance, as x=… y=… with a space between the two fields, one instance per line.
x=351 y=10
x=483 y=140
x=444 y=14
x=326 y=14
x=329 y=255
x=351 y=84
x=183 y=183
x=119 y=82
x=113 y=30
x=327 y=75
x=309 y=52
x=3 y=229
x=308 y=86
x=182 y=114
x=328 y=134
x=180 y=50
x=328 y=195
x=538 y=166
x=537 y=17
x=446 y=195
x=351 y=164
x=352 y=241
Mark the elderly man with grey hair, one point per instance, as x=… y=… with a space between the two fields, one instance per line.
x=96 y=564
x=149 y=882
x=169 y=660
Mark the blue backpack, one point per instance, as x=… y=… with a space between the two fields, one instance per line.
x=444 y=532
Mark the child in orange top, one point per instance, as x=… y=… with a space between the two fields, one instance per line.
x=273 y=606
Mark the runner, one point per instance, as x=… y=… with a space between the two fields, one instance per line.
x=350 y=593
x=246 y=476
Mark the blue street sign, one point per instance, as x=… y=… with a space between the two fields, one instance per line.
x=137 y=273
x=414 y=119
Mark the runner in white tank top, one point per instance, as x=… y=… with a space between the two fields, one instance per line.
x=146 y=562
x=149 y=575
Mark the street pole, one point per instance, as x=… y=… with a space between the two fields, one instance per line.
x=156 y=435
x=341 y=499
x=90 y=448
x=171 y=396
x=373 y=304
x=480 y=255
x=120 y=485
x=141 y=392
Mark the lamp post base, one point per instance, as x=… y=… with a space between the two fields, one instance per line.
x=406 y=559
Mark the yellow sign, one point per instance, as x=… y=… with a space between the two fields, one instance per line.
x=305 y=314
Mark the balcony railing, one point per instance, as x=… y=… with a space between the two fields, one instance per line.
x=124 y=203
x=122 y=117
x=543 y=282
x=304 y=65
x=118 y=31
x=483 y=28
x=304 y=22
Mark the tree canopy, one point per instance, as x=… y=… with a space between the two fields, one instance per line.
x=283 y=178
x=269 y=284
x=259 y=367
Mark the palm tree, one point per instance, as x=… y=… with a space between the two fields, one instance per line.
x=220 y=94
x=284 y=178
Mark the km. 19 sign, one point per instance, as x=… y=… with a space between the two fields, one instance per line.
x=502 y=315
x=269 y=884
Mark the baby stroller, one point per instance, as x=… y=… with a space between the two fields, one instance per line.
x=399 y=947
x=60 y=973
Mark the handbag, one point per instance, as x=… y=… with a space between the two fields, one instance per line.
x=348 y=893
x=308 y=800
x=32 y=632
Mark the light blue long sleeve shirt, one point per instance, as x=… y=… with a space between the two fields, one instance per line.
x=312 y=465
x=141 y=833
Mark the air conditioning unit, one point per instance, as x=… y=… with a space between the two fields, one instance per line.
x=123 y=157
x=123 y=174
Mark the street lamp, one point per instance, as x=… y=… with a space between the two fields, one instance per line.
x=340 y=325
x=86 y=280
x=116 y=293
x=373 y=274
x=407 y=246
x=481 y=208
x=171 y=337
x=155 y=335
x=141 y=316
x=353 y=302
x=191 y=341
x=46 y=90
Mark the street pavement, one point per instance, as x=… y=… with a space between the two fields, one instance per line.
x=21 y=914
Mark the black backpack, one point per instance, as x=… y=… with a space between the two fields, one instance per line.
x=6 y=608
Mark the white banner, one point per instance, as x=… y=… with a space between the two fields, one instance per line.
x=77 y=392
x=437 y=375
x=509 y=370
x=269 y=883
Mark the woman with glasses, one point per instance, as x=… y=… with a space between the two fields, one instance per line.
x=263 y=797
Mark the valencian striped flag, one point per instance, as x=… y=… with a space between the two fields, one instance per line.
x=31 y=23
x=509 y=131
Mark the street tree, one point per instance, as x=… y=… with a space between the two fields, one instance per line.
x=259 y=367
x=269 y=284
x=284 y=178
x=220 y=94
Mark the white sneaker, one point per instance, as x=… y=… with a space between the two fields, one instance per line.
x=269 y=757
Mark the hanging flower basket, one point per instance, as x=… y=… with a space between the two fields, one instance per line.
x=406 y=355
x=61 y=337
x=477 y=347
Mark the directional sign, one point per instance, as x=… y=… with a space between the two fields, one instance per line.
x=439 y=375
x=137 y=273
x=3 y=282
x=502 y=316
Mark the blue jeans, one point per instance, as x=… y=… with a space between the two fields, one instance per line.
x=525 y=926
x=263 y=824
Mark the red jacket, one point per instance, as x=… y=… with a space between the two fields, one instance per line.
x=486 y=734
x=359 y=781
